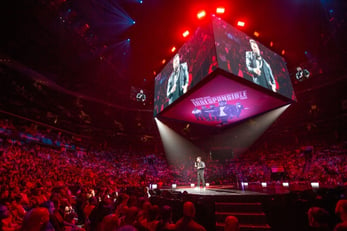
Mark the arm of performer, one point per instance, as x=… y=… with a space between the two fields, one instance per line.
x=200 y=165
x=185 y=77
x=272 y=79
x=250 y=59
x=170 y=87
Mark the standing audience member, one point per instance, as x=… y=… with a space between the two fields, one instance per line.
x=318 y=219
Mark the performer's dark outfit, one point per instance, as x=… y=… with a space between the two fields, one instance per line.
x=200 y=170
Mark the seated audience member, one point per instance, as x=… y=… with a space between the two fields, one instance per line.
x=143 y=213
x=131 y=216
x=127 y=228
x=341 y=211
x=6 y=223
x=88 y=208
x=17 y=210
x=109 y=223
x=37 y=219
x=318 y=219
x=50 y=206
x=187 y=223
x=165 y=223
x=231 y=224
x=153 y=218
x=97 y=215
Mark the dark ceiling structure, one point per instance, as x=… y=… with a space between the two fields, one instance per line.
x=71 y=63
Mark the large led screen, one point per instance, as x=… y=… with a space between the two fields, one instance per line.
x=222 y=101
x=194 y=61
x=244 y=57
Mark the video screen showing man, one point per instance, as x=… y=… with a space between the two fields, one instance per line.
x=259 y=68
x=178 y=81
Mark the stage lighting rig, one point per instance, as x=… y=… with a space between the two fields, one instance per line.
x=201 y=14
x=220 y=10
x=141 y=96
x=185 y=33
x=241 y=23
x=302 y=74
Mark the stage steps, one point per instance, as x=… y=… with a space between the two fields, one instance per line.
x=250 y=215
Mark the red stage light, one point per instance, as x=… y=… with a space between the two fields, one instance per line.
x=271 y=44
x=256 y=34
x=283 y=52
x=201 y=14
x=220 y=10
x=185 y=34
x=173 y=49
x=163 y=61
x=241 y=23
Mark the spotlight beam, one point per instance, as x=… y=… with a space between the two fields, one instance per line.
x=177 y=148
x=115 y=15
x=241 y=137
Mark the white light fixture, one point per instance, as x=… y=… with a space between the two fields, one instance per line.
x=263 y=184
x=285 y=184
x=315 y=184
x=244 y=183
x=207 y=184
x=192 y=185
x=174 y=186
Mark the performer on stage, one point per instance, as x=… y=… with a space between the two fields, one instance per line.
x=200 y=166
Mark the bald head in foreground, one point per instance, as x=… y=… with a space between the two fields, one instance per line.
x=187 y=223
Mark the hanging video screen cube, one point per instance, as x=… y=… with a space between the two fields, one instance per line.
x=221 y=76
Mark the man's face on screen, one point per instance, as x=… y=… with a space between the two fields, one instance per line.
x=176 y=62
x=255 y=48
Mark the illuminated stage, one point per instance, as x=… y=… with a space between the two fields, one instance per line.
x=229 y=89
x=216 y=191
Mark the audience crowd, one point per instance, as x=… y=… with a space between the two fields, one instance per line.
x=45 y=187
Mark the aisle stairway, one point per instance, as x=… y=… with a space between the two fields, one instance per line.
x=250 y=215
